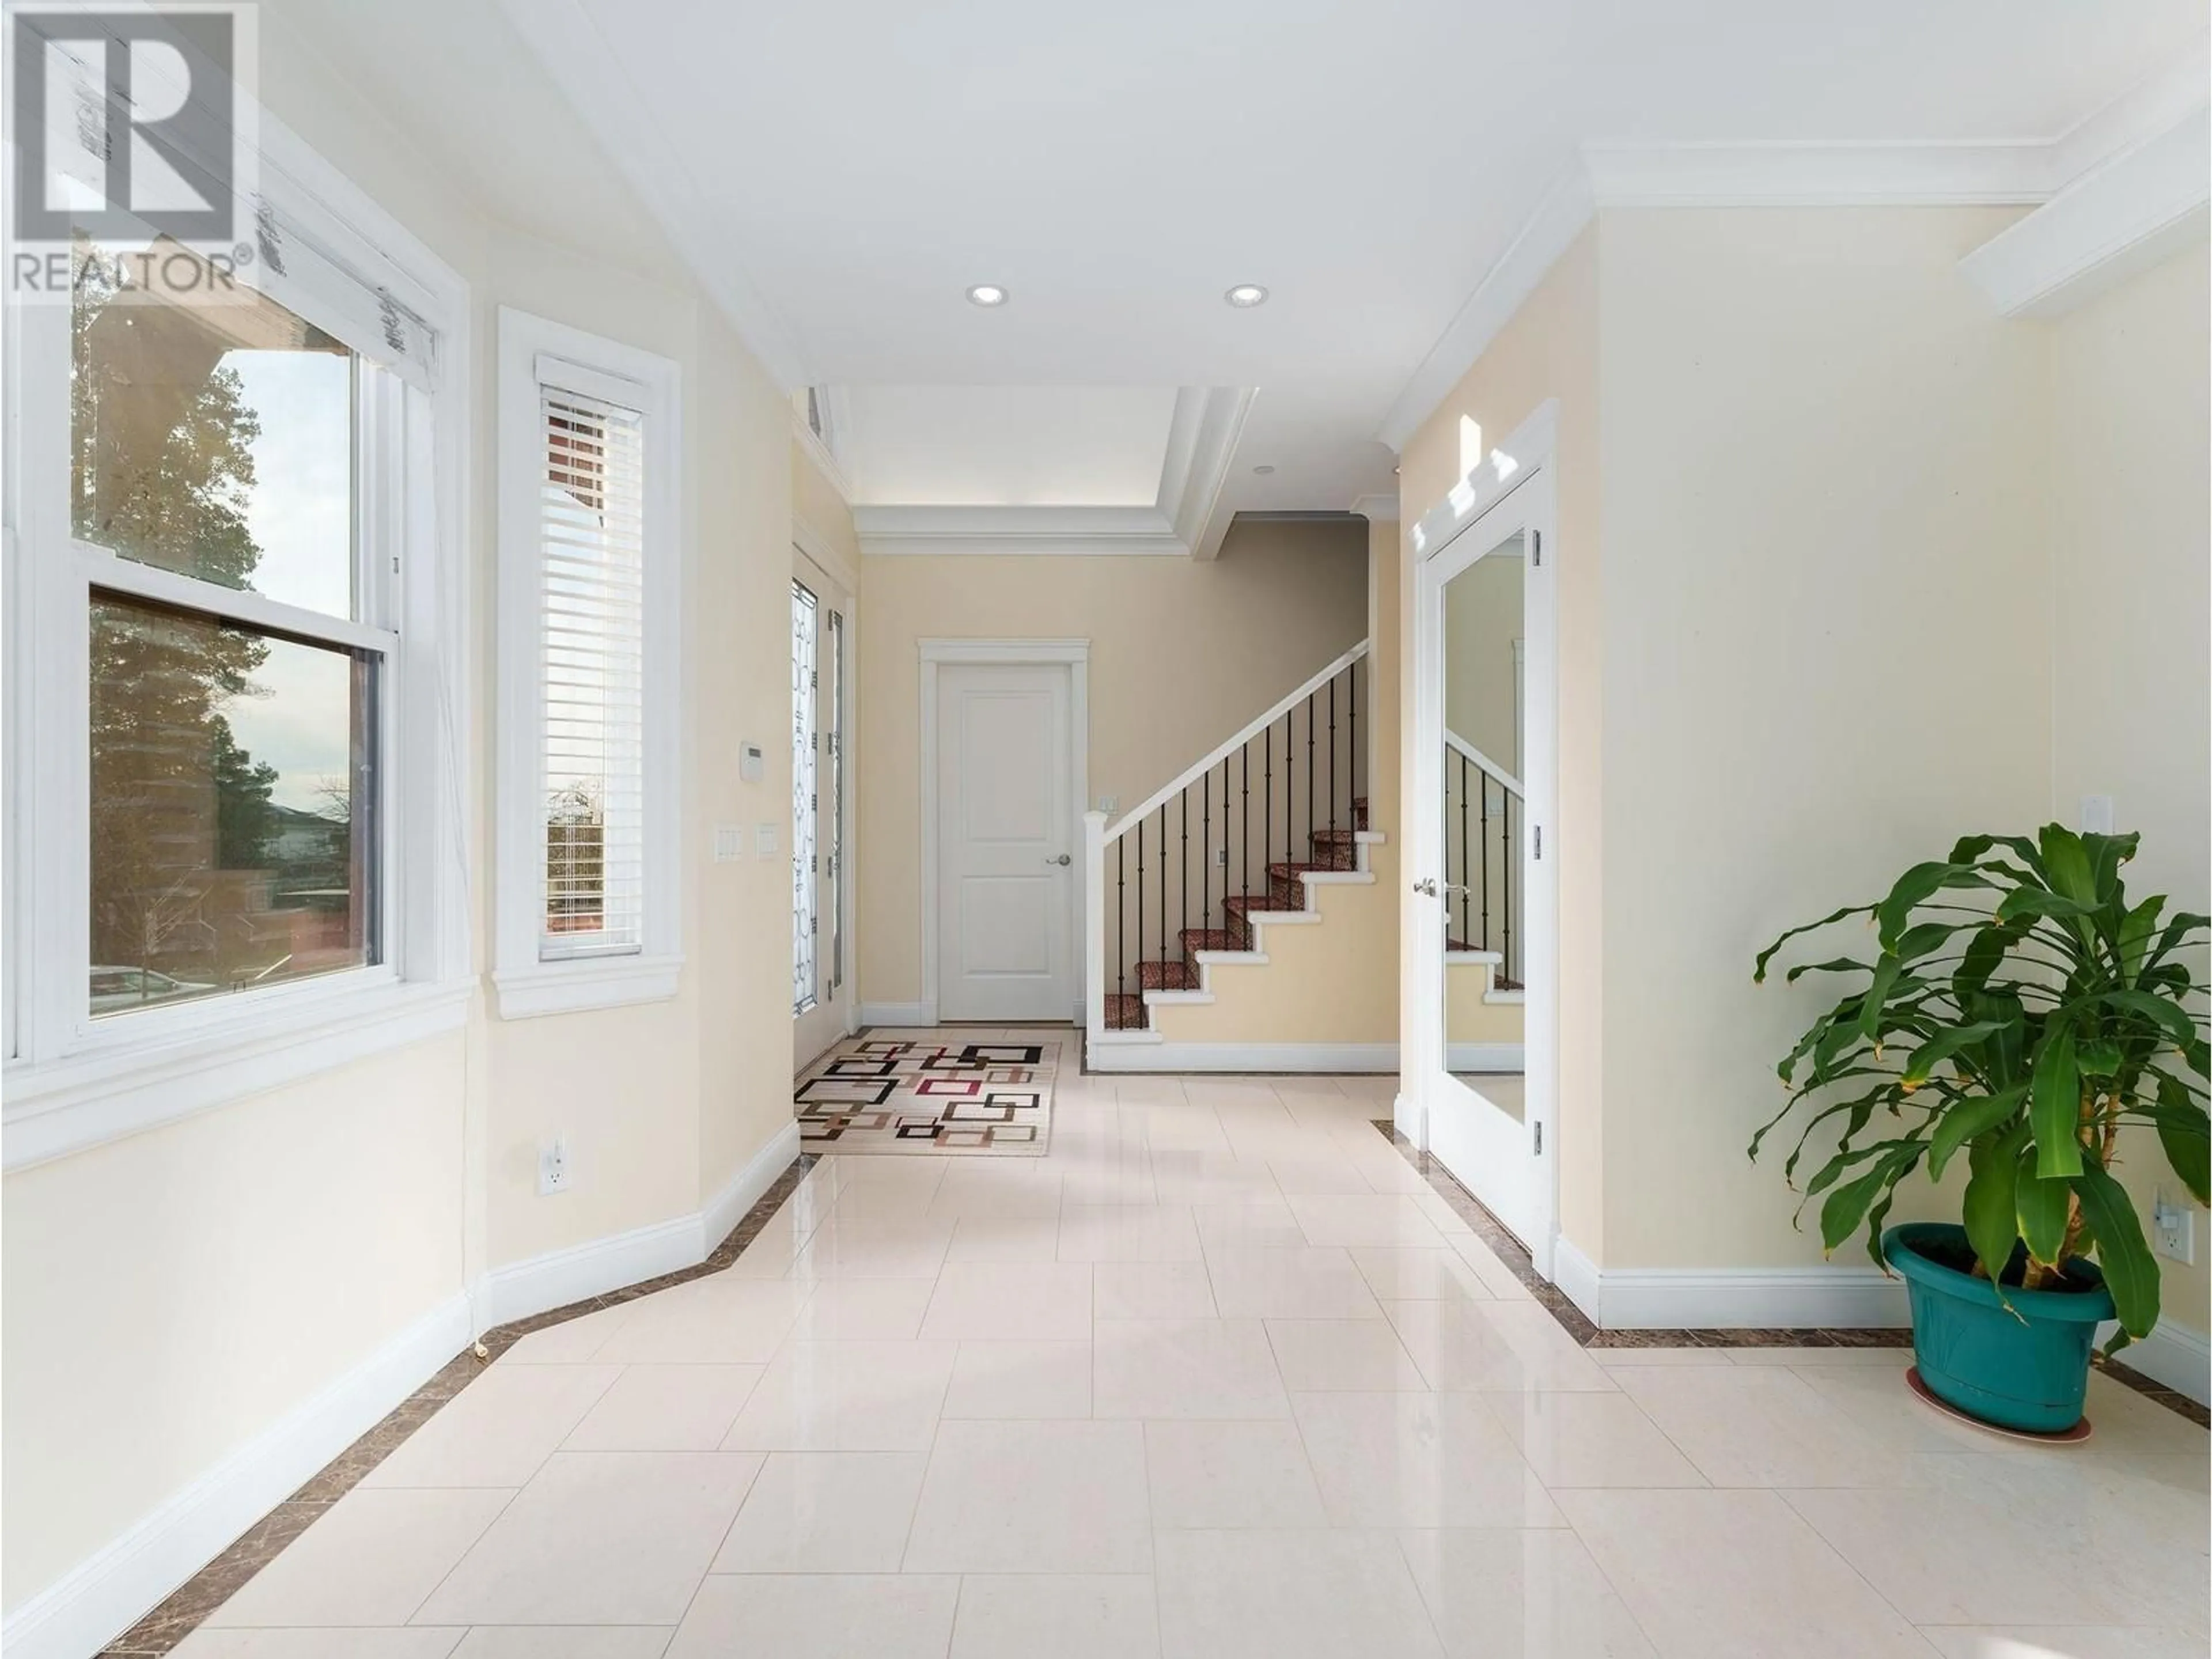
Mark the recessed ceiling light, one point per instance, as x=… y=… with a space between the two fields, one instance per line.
x=1245 y=295
x=987 y=294
x=1263 y=469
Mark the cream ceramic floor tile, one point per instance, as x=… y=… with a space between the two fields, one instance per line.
x=1531 y=1593
x=1590 y=1440
x=1400 y=1274
x=1020 y=1380
x=572 y=1642
x=818 y=1616
x=1260 y=1221
x=1003 y=1188
x=1004 y=1238
x=599 y=1538
x=1375 y=1218
x=825 y=1512
x=1441 y=1216
x=1762 y=1425
x=497 y=1430
x=1188 y=1177
x=1214 y=1475
x=665 y=1408
x=1175 y=1368
x=1289 y=1595
x=1495 y=1346
x=1735 y=1575
x=1879 y=1399
x=1945 y=1556
x=370 y=1560
x=1894 y=1359
x=1502 y=1282
x=1023 y=1496
x=1151 y=1290
x=1618 y=1358
x=863 y=1310
x=1311 y=1282
x=847 y=1396
x=875 y=1249
x=1035 y=1301
x=209 y=1643
x=1363 y=1354
x=571 y=1342
x=1417 y=1459
x=1319 y=1175
x=2062 y=1642
x=1052 y=1616
x=710 y=1321
x=1128 y=1232
x=882 y=1203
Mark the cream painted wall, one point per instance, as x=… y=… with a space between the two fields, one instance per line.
x=1183 y=653
x=2129 y=534
x=1548 y=350
x=170 y=1296
x=1826 y=650
x=1316 y=986
x=1483 y=609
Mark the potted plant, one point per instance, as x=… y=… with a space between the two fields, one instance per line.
x=2019 y=1011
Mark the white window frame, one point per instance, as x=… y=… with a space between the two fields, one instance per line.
x=535 y=351
x=71 y=1082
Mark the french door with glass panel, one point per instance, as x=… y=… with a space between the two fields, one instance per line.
x=1483 y=1075
x=821 y=704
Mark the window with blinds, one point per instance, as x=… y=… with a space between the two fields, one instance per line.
x=591 y=662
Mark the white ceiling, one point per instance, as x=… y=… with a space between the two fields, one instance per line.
x=1004 y=445
x=841 y=170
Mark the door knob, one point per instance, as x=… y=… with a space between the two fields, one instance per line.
x=1426 y=887
x=1062 y=859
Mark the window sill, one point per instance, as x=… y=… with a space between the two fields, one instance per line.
x=57 y=1107
x=572 y=988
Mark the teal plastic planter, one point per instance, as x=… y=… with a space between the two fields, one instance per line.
x=2025 y=1366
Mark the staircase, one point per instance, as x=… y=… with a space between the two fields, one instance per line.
x=1244 y=843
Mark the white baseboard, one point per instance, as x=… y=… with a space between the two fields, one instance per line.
x=1484 y=1057
x=1728 y=1298
x=1378 y=1057
x=2171 y=1354
x=105 y=1595
x=897 y=1014
x=560 y=1277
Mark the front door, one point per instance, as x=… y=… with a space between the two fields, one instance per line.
x=1006 y=843
x=822 y=1005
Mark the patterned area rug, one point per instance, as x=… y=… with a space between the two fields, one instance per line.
x=914 y=1096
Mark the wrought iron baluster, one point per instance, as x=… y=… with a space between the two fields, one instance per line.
x=1120 y=923
x=1313 y=813
x=1484 y=785
x=1183 y=897
x=1267 y=800
x=1332 y=773
x=1353 y=766
x=1164 y=893
x=1505 y=868
x=1205 y=846
x=1224 y=832
x=1465 y=932
x=1244 y=800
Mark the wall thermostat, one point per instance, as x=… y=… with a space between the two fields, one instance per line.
x=752 y=764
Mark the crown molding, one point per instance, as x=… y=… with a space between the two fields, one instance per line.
x=2029 y=172
x=2121 y=217
x=1185 y=520
x=1377 y=509
x=578 y=59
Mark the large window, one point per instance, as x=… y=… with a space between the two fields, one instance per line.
x=234 y=851
x=588 y=636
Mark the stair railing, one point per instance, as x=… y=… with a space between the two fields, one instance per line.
x=1279 y=797
x=1485 y=810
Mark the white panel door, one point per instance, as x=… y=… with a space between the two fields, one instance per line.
x=1006 y=843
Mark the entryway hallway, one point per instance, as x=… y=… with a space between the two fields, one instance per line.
x=1222 y=1374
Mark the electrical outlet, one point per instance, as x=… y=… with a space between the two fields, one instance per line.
x=1107 y=804
x=2172 y=1229
x=2097 y=816
x=1221 y=856
x=553 y=1168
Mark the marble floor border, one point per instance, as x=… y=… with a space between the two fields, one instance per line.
x=183 y=1609
x=1510 y=1251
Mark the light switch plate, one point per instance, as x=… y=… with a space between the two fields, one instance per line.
x=764 y=840
x=729 y=842
x=2096 y=817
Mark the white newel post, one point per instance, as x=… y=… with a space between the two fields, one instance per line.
x=1094 y=926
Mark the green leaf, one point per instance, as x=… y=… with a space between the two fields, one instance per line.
x=1991 y=1223
x=2106 y=854
x=2130 y=1270
x=1968 y=1120
x=1941 y=1047
x=1877 y=993
x=2170 y=1017
x=2186 y=1133
x=1758 y=973
x=1847 y=1205
x=2097 y=1057
x=1834 y=966
x=2177 y=933
x=1919 y=884
x=2043 y=1205
x=2137 y=928
x=2055 y=1106
x=2035 y=901
x=2066 y=863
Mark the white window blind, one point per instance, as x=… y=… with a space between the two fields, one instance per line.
x=592 y=658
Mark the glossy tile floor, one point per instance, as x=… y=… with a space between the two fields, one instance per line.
x=1219 y=1377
